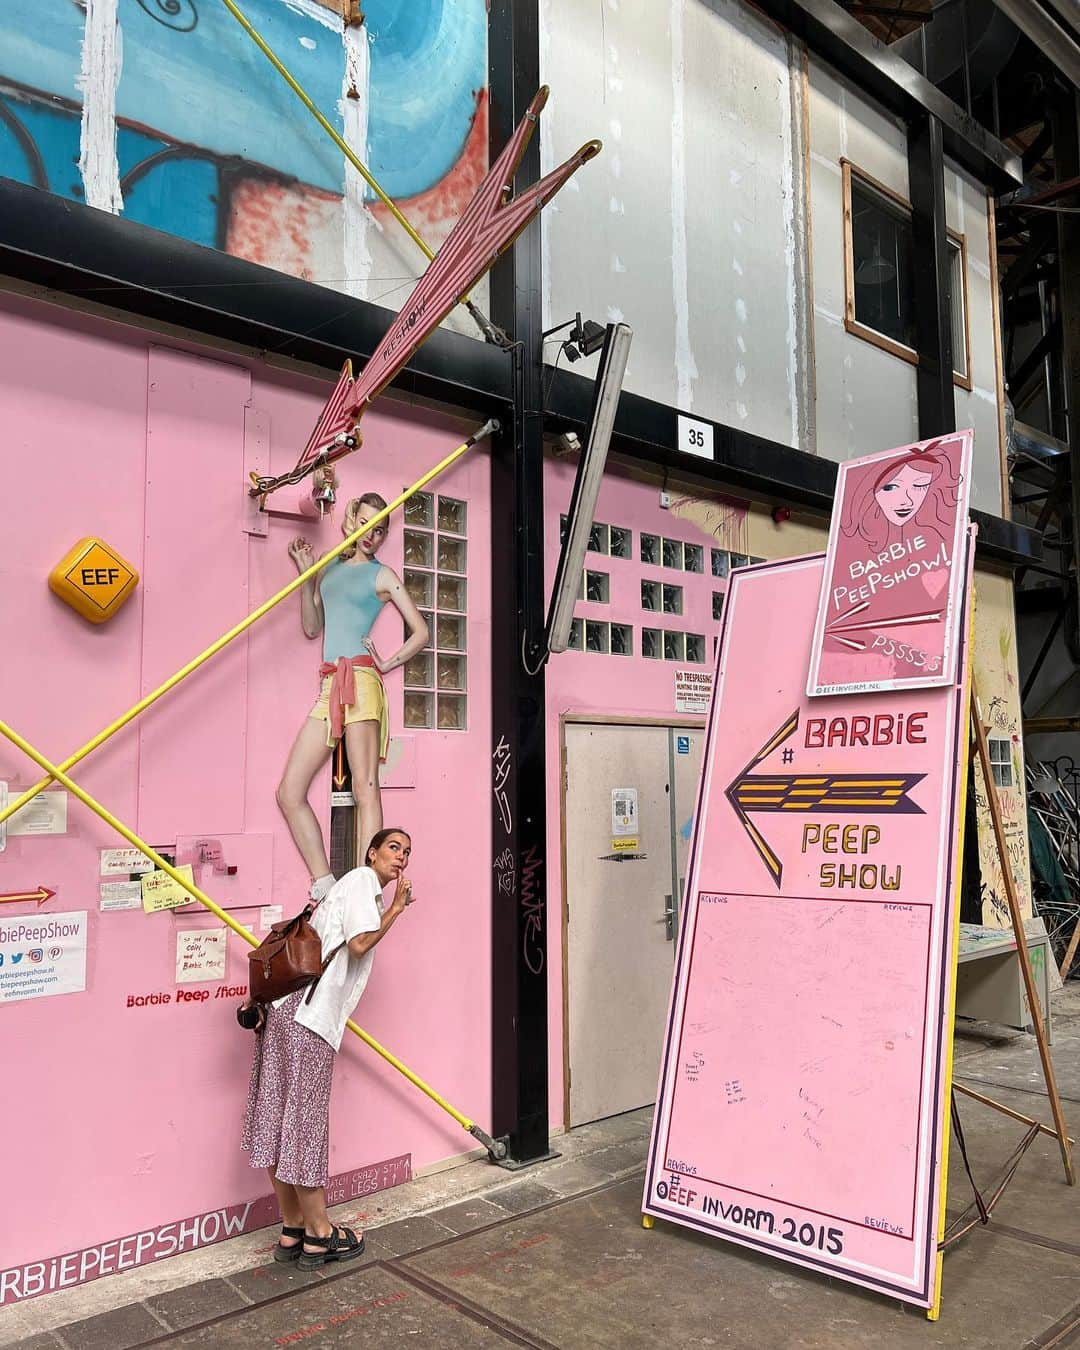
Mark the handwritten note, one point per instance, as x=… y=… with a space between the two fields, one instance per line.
x=200 y=955
x=160 y=891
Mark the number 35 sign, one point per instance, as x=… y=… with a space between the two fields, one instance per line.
x=695 y=438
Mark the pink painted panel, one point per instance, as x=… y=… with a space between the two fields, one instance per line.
x=890 y=598
x=155 y=1075
x=195 y=575
x=801 y=1095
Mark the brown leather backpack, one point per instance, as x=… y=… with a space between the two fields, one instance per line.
x=287 y=959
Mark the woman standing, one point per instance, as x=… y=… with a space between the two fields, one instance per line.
x=287 y=1124
x=342 y=602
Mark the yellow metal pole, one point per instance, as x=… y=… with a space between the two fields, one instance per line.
x=58 y=774
x=485 y=324
x=245 y=624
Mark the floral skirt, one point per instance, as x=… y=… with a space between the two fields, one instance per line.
x=287 y=1122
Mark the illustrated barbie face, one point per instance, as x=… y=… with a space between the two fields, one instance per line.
x=390 y=856
x=371 y=542
x=901 y=495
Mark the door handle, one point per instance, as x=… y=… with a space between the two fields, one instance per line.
x=669 y=918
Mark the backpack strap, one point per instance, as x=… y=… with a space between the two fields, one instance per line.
x=325 y=967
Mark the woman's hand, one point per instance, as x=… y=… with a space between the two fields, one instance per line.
x=403 y=896
x=300 y=552
x=380 y=665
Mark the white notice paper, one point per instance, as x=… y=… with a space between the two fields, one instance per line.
x=44 y=814
x=270 y=915
x=200 y=955
x=121 y=862
x=693 y=691
x=121 y=895
x=42 y=956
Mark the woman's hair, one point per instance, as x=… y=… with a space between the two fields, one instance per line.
x=865 y=518
x=352 y=510
x=379 y=838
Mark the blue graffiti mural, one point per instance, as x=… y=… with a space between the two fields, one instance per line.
x=197 y=105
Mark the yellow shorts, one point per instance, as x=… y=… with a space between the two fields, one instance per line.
x=370 y=705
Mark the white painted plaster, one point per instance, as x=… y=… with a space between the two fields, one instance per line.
x=358 y=221
x=102 y=50
x=685 y=367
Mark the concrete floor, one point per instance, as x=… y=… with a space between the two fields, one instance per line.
x=557 y=1257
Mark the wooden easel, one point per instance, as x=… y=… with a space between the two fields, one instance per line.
x=1059 y=1131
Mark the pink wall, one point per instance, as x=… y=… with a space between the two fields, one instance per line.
x=128 y=1118
x=585 y=682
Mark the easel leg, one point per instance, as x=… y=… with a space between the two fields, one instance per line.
x=1034 y=1004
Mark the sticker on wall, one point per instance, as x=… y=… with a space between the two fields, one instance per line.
x=693 y=690
x=120 y=895
x=200 y=955
x=93 y=579
x=44 y=814
x=122 y=862
x=624 y=812
x=682 y=745
x=270 y=915
x=629 y=843
x=40 y=957
x=160 y=891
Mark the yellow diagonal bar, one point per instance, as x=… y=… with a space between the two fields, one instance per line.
x=55 y=772
x=245 y=624
x=361 y=168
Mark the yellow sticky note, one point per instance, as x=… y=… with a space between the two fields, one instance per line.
x=159 y=891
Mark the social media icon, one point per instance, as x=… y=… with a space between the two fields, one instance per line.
x=36 y=954
x=55 y=953
x=1 y=958
x=16 y=957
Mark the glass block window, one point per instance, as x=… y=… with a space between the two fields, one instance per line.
x=597 y=635
x=650 y=549
x=1001 y=765
x=597 y=587
x=718 y=605
x=436 y=564
x=673 y=599
x=721 y=562
x=652 y=644
x=739 y=560
x=598 y=538
x=622 y=639
x=622 y=542
x=674 y=646
x=602 y=638
x=671 y=552
x=695 y=648
x=651 y=596
x=693 y=558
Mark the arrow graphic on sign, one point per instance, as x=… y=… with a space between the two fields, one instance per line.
x=339 y=765
x=841 y=794
x=40 y=895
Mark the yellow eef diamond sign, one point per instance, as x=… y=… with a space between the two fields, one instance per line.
x=93 y=579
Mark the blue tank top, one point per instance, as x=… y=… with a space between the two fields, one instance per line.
x=350 y=607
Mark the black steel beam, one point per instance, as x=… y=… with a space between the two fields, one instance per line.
x=92 y=255
x=1065 y=117
x=838 y=38
x=520 y=916
x=646 y=435
x=931 y=278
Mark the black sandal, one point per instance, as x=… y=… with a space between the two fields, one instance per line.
x=292 y=1253
x=335 y=1248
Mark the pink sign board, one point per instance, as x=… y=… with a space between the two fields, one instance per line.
x=800 y=1104
x=888 y=613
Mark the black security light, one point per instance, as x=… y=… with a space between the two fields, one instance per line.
x=585 y=337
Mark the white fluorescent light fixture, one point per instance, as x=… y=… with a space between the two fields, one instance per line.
x=609 y=378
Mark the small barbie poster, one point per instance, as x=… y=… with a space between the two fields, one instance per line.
x=889 y=607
